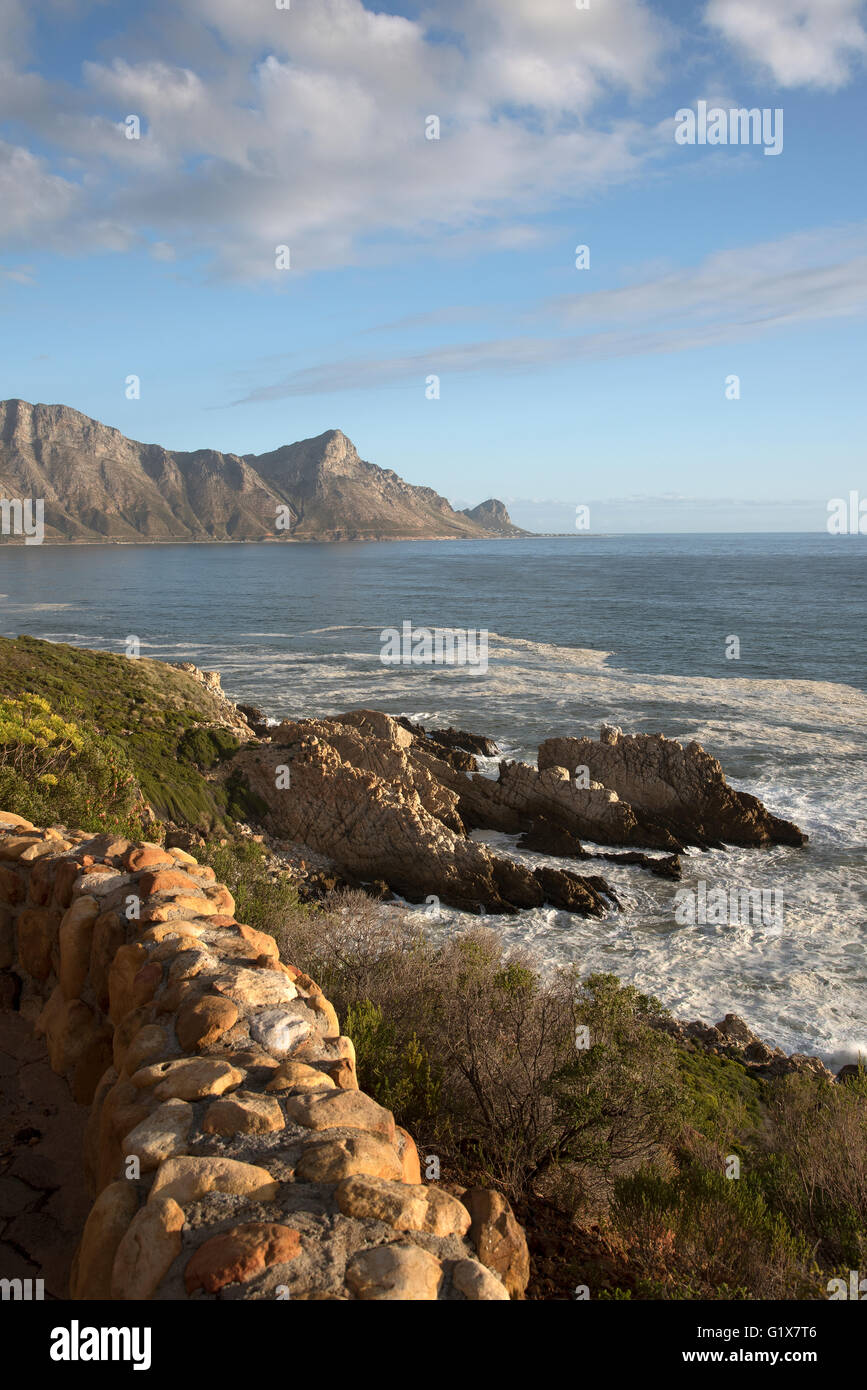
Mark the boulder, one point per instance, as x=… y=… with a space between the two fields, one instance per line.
x=499 y=1240
x=682 y=791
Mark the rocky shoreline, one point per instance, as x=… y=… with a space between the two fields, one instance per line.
x=365 y=800
x=383 y=801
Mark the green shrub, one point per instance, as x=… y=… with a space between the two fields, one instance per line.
x=815 y=1167
x=56 y=771
x=240 y=802
x=721 y=1101
x=207 y=747
x=396 y=1070
x=141 y=708
x=701 y=1235
x=496 y=1045
x=261 y=900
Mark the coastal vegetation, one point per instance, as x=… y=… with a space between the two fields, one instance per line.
x=146 y=720
x=632 y=1137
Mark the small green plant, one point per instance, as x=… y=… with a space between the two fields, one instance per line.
x=55 y=771
x=397 y=1070
x=262 y=900
x=207 y=747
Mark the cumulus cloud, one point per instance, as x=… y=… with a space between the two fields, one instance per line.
x=813 y=43
x=306 y=127
x=31 y=197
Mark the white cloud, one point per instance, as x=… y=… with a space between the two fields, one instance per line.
x=307 y=126
x=812 y=43
x=733 y=296
x=549 y=55
x=13 y=27
x=19 y=275
x=819 y=274
x=32 y=199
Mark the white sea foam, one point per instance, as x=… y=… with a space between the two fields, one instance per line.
x=799 y=745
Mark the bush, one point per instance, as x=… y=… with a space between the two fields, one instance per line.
x=701 y=1235
x=207 y=747
x=815 y=1170
x=262 y=900
x=396 y=1070
x=478 y=1053
x=54 y=771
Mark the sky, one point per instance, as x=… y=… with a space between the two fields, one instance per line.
x=239 y=203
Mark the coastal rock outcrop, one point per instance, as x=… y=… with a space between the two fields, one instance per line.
x=675 y=790
x=352 y=789
x=389 y=802
x=733 y=1038
x=229 y=1151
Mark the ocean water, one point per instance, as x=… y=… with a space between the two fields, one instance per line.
x=627 y=630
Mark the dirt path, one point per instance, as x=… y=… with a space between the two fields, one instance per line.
x=43 y=1197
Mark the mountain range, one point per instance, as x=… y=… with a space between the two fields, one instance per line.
x=98 y=485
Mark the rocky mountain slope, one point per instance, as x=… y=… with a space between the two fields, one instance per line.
x=99 y=485
x=494 y=517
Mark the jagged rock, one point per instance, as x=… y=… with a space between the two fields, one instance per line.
x=251 y=713
x=460 y=738
x=373 y=821
x=734 y=1030
x=547 y=837
x=673 y=789
x=733 y=1038
x=664 y=866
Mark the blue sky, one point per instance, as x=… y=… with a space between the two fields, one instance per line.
x=411 y=257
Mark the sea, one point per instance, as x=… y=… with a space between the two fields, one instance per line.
x=752 y=644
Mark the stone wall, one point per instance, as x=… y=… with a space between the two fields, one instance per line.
x=228 y=1148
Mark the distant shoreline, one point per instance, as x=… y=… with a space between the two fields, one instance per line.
x=19 y=542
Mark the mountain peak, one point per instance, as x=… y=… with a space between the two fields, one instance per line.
x=98 y=485
x=492 y=515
